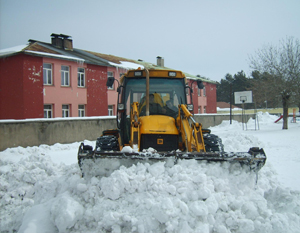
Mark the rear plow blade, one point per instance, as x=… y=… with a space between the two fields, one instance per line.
x=94 y=163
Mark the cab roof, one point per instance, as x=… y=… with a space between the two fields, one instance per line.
x=153 y=73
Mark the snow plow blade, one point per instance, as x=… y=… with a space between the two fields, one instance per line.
x=94 y=163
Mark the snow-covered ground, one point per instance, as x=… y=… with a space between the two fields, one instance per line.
x=41 y=189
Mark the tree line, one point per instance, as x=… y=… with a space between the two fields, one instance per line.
x=274 y=79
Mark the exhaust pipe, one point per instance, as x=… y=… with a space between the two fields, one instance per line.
x=147 y=91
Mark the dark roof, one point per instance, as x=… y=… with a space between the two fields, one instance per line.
x=76 y=53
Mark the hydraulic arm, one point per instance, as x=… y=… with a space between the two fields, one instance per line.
x=192 y=134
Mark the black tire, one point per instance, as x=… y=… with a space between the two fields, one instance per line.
x=213 y=143
x=107 y=143
x=87 y=148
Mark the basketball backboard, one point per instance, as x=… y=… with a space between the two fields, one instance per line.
x=243 y=97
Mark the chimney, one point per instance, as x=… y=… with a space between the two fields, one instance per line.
x=160 y=61
x=62 y=41
x=56 y=41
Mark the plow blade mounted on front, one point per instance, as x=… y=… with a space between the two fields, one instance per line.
x=94 y=163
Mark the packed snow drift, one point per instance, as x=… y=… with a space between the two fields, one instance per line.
x=42 y=189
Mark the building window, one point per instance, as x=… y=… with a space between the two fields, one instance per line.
x=110 y=74
x=65 y=110
x=204 y=109
x=81 y=110
x=65 y=76
x=81 y=77
x=47 y=74
x=199 y=92
x=204 y=91
x=48 y=111
x=110 y=110
x=199 y=109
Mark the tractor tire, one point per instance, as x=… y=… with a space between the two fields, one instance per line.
x=213 y=143
x=107 y=143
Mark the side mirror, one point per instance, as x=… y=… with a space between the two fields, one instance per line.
x=200 y=84
x=110 y=82
x=190 y=107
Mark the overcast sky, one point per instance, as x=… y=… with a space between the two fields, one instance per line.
x=210 y=38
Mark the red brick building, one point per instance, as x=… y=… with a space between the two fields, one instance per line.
x=56 y=80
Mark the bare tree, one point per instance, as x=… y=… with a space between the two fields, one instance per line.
x=282 y=63
x=263 y=95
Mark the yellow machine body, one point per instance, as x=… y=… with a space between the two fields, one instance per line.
x=153 y=113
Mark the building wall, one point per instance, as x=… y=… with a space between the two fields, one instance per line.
x=96 y=77
x=57 y=95
x=205 y=101
x=11 y=88
x=202 y=100
x=23 y=95
x=211 y=93
x=33 y=87
x=21 y=87
x=112 y=94
x=195 y=95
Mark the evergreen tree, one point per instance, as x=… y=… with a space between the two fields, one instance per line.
x=238 y=82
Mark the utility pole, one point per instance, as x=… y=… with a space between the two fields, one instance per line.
x=230 y=97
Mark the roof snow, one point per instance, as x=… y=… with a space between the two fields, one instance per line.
x=56 y=55
x=11 y=50
x=126 y=65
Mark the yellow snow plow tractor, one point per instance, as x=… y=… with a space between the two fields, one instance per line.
x=155 y=123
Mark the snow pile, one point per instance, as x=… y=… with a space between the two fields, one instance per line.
x=38 y=195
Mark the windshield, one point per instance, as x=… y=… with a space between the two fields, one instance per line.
x=165 y=95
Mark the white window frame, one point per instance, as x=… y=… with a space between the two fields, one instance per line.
x=65 y=76
x=81 y=110
x=47 y=74
x=110 y=110
x=81 y=77
x=65 y=110
x=110 y=74
x=48 y=111
x=204 y=91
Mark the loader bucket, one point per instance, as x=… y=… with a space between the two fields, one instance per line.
x=94 y=163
